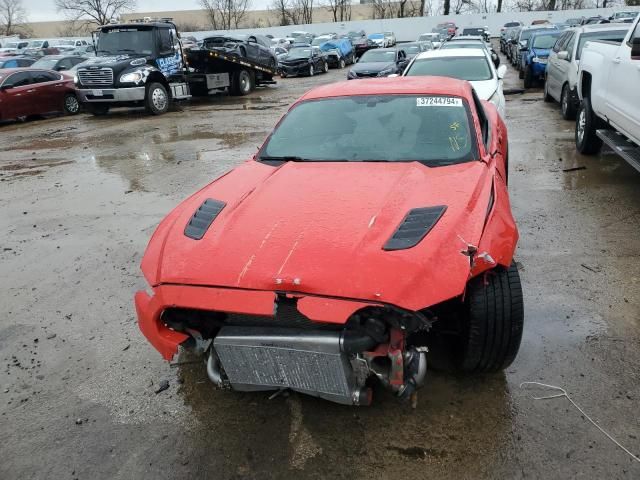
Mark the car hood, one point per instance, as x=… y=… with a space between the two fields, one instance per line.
x=319 y=228
x=371 y=66
x=485 y=89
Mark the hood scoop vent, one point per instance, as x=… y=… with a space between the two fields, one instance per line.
x=414 y=227
x=203 y=218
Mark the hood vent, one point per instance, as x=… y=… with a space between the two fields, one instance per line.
x=203 y=218
x=414 y=227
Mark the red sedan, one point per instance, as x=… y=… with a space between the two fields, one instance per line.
x=373 y=222
x=26 y=91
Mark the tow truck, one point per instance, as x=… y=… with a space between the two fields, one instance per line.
x=143 y=63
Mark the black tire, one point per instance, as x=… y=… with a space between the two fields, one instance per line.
x=567 y=107
x=156 y=100
x=71 y=105
x=326 y=67
x=341 y=63
x=242 y=82
x=587 y=142
x=547 y=98
x=97 y=109
x=520 y=74
x=494 y=321
x=528 y=78
x=311 y=70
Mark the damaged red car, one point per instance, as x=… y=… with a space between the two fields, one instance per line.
x=374 y=219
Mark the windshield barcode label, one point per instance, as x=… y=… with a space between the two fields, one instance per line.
x=438 y=102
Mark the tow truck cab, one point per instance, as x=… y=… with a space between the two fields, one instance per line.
x=136 y=64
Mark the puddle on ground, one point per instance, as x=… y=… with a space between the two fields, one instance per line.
x=29 y=168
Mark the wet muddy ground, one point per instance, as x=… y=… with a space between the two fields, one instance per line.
x=80 y=197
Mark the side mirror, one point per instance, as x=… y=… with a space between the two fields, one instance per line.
x=502 y=71
x=635 y=49
x=563 y=55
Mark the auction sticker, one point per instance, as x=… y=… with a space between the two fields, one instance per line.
x=438 y=102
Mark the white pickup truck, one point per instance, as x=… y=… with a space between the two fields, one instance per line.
x=609 y=91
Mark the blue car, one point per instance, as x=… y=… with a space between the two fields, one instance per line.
x=339 y=52
x=534 y=58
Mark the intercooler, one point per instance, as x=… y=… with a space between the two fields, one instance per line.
x=311 y=362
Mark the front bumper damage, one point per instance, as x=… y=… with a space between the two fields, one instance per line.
x=258 y=341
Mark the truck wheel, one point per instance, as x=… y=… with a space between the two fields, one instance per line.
x=156 y=100
x=241 y=83
x=587 y=142
x=342 y=64
x=71 y=104
x=493 y=323
x=566 y=105
x=97 y=109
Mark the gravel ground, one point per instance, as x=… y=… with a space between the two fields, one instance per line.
x=80 y=197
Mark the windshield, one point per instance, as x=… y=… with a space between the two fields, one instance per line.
x=473 y=31
x=374 y=56
x=63 y=42
x=427 y=36
x=299 y=53
x=35 y=44
x=46 y=63
x=473 y=69
x=11 y=45
x=354 y=34
x=319 y=41
x=411 y=48
x=512 y=24
x=389 y=128
x=545 y=41
x=611 y=35
x=376 y=36
x=125 y=40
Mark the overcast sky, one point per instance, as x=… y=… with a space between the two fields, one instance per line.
x=45 y=10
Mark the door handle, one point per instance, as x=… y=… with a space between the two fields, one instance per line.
x=616 y=60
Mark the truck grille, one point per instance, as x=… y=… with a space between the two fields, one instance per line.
x=102 y=77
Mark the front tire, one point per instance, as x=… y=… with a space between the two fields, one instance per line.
x=547 y=98
x=241 y=83
x=587 y=142
x=342 y=63
x=156 y=101
x=566 y=105
x=71 y=104
x=492 y=329
x=311 y=71
x=326 y=67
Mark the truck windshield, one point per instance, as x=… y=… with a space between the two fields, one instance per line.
x=433 y=130
x=115 y=41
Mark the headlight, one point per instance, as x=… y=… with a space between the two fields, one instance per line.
x=75 y=79
x=386 y=71
x=133 y=77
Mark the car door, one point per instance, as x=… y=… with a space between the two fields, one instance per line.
x=48 y=90
x=16 y=97
x=557 y=68
x=253 y=49
x=623 y=95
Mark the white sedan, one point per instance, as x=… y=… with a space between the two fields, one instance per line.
x=474 y=65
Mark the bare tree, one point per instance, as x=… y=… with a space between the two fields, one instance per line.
x=12 y=17
x=340 y=9
x=281 y=11
x=98 y=12
x=225 y=14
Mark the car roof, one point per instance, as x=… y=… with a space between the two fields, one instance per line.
x=393 y=86
x=597 y=27
x=459 y=38
x=541 y=26
x=452 y=52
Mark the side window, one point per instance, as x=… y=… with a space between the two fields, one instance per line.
x=42 y=77
x=560 y=43
x=484 y=122
x=77 y=60
x=165 y=40
x=11 y=64
x=635 y=34
x=19 y=79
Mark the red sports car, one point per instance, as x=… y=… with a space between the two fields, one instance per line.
x=27 y=91
x=374 y=219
